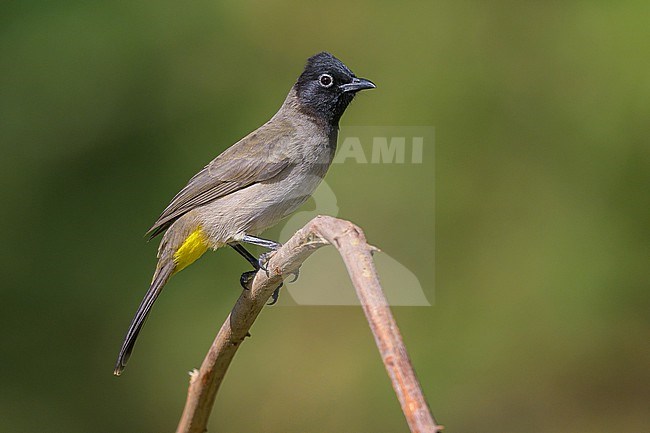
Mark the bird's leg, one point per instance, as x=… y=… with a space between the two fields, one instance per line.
x=266 y=243
x=264 y=258
x=260 y=263
x=245 y=254
x=247 y=276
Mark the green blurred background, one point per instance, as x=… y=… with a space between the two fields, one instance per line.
x=542 y=167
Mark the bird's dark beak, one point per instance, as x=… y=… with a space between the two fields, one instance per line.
x=357 y=84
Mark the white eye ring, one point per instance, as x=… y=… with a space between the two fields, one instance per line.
x=325 y=80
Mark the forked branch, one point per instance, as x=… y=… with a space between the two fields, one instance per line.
x=351 y=243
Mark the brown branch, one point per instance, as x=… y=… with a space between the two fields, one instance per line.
x=351 y=243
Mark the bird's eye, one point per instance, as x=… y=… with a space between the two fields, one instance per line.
x=326 y=80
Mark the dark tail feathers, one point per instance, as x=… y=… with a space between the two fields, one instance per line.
x=160 y=278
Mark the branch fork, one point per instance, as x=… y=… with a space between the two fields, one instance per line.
x=351 y=243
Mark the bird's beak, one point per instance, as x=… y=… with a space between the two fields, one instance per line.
x=357 y=84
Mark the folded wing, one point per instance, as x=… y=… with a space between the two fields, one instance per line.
x=255 y=158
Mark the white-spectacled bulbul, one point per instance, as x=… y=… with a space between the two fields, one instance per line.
x=254 y=183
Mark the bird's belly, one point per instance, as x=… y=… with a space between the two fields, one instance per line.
x=257 y=207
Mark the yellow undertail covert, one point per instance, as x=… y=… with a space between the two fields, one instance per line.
x=194 y=246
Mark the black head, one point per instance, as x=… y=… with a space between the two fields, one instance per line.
x=326 y=87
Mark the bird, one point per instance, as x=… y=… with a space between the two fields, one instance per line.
x=253 y=184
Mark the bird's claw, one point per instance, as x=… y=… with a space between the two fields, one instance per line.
x=263 y=261
x=275 y=295
x=246 y=279
x=295 y=275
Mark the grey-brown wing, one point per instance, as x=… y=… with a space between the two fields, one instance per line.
x=255 y=158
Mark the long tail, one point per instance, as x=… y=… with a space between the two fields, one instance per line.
x=160 y=278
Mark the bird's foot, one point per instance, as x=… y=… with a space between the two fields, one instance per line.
x=246 y=279
x=263 y=261
x=295 y=274
x=275 y=295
